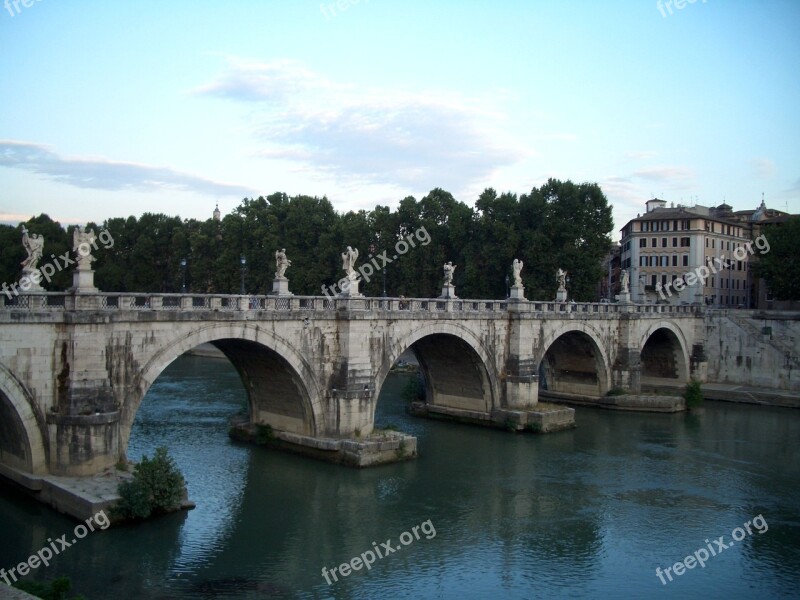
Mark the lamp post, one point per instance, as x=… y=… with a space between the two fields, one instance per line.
x=243 y=262
x=183 y=268
x=508 y=289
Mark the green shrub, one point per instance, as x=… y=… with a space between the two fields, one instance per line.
x=414 y=390
x=693 y=394
x=264 y=434
x=534 y=427
x=616 y=392
x=157 y=487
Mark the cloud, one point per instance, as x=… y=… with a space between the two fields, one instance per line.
x=377 y=136
x=762 y=168
x=105 y=174
x=665 y=174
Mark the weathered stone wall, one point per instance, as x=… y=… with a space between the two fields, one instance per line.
x=739 y=353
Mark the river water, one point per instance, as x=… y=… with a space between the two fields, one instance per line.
x=586 y=513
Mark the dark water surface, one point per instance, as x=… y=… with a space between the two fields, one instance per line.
x=588 y=513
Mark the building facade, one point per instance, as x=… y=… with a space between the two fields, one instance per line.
x=691 y=255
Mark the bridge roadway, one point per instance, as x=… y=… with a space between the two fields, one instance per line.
x=74 y=368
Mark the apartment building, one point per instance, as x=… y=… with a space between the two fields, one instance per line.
x=687 y=254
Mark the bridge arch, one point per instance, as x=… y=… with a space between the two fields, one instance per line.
x=458 y=369
x=663 y=353
x=281 y=388
x=22 y=440
x=573 y=359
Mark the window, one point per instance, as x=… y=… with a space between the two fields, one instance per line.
x=663 y=280
x=674 y=242
x=642 y=261
x=653 y=280
x=663 y=242
x=674 y=260
x=685 y=260
x=684 y=242
x=665 y=261
x=643 y=243
x=654 y=243
x=675 y=225
x=713 y=243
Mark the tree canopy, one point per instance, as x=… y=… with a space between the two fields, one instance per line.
x=560 y=224
x=779 y=264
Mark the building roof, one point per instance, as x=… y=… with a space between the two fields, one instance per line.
x=722 y=214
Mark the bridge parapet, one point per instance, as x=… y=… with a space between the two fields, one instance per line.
x=61 y=301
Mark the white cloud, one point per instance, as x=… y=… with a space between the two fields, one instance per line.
x=674 y=177
x=105 y=174
x=415 y=140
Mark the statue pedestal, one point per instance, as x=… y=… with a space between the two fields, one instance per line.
x=280 y=287
x=623 y=298
x=83 y=282
x=561 y=295
x=517 y=293
x=29 y=283
x=448 y=291
x=350 y=289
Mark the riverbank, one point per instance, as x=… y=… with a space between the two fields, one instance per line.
x=741 y=394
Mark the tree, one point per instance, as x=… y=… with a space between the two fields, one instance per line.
x=574 y=235
x=494 y=244
x=561 y=224
x=778 y=263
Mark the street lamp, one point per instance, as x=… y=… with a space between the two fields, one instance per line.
x=183 y=268
x=243 y=261
x=508 y=289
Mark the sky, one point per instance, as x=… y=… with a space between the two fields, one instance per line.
x=110 y=109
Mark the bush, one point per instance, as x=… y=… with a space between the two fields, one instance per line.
x=264 y=434
x=157 y=487
x=693 y=394
x=414 y=390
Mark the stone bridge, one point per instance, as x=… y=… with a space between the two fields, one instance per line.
x=74 y=368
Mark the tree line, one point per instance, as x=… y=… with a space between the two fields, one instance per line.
x=558 y=225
